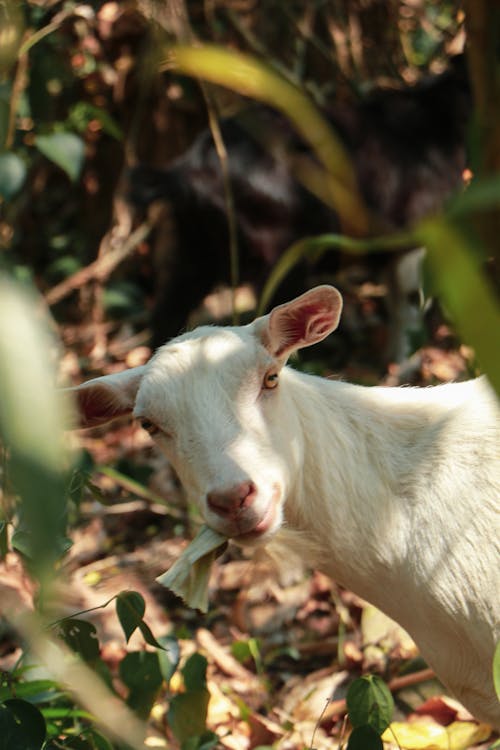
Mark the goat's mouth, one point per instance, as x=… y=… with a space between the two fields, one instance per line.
x=262 y=529
x=259 y=529
x=252 y=524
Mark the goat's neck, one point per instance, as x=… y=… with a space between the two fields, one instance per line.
x=356 y=482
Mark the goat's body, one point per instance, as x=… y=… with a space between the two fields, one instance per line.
x=415 y=514
x=394 y=492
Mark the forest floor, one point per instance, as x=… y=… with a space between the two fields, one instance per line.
x=282 y=646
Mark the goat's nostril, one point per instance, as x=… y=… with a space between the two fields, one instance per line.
x=230 y=501
x=247 y=494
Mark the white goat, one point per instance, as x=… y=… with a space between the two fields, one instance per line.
x=392 y=491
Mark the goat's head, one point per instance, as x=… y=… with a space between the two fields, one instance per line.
x=212 y=401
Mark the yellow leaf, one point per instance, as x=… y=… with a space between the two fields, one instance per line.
x=426 y=734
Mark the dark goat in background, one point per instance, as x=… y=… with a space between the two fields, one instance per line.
x=408 y=150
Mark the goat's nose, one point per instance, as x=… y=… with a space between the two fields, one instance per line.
x=228 y=502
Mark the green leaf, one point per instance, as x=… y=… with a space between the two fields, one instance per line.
x=12 y=27
x=187 y=714
x=100 y=742
x=169 y=656
x=206 y=741
x=27 y=732
x=148 y=635
x=249 y=76
x=140 y=670
x=80 y=636
x=4 y=540
x=76 y=743
x=241 y=651
x=32 y=417
x=455 y=263
x=364 y=738
x=8 y=729
x=313 y=248
x=194 y=672
x=12 y=175
x=65 y=712
x=5 y=94
x=369 y=701
x=82 y=113
x=482 y=194
x=496 y=669
x=130 y=608
x=36 y=690
x=67 y=150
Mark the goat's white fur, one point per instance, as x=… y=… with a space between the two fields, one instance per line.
x=394 y=492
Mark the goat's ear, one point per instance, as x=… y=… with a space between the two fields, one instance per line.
x=303 y=321
x=102 y=399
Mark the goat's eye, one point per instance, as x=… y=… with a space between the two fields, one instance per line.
x=270 y=379
x=149 y=426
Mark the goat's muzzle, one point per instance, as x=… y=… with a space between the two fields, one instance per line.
x=238 y=513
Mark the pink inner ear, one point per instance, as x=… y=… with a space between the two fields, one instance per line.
x=98 y=404
x=319 y=325
x=302 y=326
x=304 y=321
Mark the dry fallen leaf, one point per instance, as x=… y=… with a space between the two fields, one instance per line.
x=426 y=734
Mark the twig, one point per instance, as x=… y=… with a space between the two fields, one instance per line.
x=225 y=661
x=318 y=723
x=100 y=268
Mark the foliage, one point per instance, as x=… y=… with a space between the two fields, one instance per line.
x=496 y=670
x=36 y=713
x=79 y=90
x=370 y=706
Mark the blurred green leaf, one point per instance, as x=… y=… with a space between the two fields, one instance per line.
x=12 y=175
x=202 y=742
x=5 y=93
x=100 y=742
x=76 y=743
x=67 y=150
x=148 y=635
x=22 y=726
x=460 y=282
x=31 y=425
x=188 y=711
x=81 y=637
x=482 y=194
x=194 y=672
x=187 y=714
x=169 y=656
x=313 y=248
x=11 y=32
x=250 y=77
x=83 y=112
x=364 y=738
x=369 y=701
x=496 y=670
x=4 y=540
x=65 y=712
x=36 y=690
x=123 y=298
x=130 y=608
x=140 y=670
